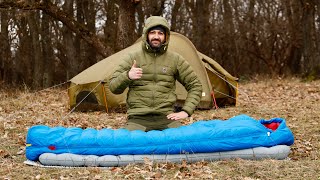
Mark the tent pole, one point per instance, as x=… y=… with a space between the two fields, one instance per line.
x=105 y=98
x=214 y=100
x=237 y=94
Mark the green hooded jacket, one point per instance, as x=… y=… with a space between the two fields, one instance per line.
x=154 y=92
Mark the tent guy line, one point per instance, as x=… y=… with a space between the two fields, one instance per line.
x=224 y=94
x=57 y=85
x=73 y=109
x=33 y=93
x=216 y=73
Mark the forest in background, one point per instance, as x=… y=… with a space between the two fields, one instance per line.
x=47 y=42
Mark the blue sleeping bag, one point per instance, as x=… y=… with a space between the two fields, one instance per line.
x=239 y=132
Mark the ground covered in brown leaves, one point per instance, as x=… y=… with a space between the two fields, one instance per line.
x=292 y=99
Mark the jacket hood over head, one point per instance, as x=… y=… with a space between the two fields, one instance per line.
x=150 y=23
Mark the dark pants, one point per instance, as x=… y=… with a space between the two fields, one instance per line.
x=150 y=122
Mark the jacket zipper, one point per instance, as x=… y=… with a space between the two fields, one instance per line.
x=154 y=79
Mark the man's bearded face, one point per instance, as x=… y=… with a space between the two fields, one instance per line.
x=156 y=38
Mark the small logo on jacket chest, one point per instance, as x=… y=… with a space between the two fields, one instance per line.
x=164 y=69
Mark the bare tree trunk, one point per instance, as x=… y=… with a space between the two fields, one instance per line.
x=5 y=53
x=251 y=42
x=317 y=41
x=126 y=25
x=153 y=8
x=48 y=56
x=22 y=61
x=307 y=32
x=141 y=18
x=294 y=53
x=317 y=31
x=111 y=27
x=36 y=49
x=85 y=53
x=247 y=41
x=78 y=43
x=229 y=36
x=201 y=25
x=47 y=50
x=90 y=16
x=68 y=39
x=175 y=12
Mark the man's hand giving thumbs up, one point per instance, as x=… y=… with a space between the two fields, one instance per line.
x=135 y=72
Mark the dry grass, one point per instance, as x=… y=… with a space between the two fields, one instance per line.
x=298 y=102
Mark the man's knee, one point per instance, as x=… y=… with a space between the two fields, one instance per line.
x=174 y=124
x=134 y=126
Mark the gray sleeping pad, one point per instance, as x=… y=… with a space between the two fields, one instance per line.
x=73 y=160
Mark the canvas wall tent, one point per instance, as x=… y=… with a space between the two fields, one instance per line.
x=89 y=89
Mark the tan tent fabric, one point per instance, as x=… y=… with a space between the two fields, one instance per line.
x=94 y=80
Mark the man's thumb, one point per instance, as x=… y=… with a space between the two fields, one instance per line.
x=134 y=64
